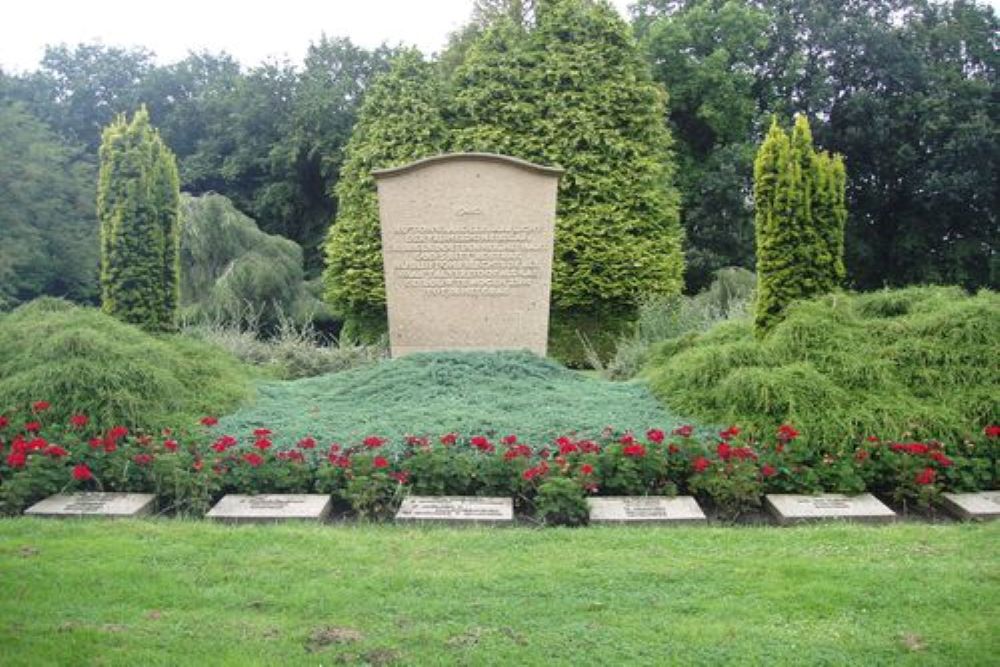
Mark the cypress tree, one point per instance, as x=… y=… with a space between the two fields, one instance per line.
x=138 y=205
x=399 y=121
x=799 y=200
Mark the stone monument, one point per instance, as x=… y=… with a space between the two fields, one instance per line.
x=467 y=252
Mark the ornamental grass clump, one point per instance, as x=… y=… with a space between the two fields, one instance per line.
x=920 y=361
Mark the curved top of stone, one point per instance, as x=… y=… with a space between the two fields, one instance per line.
x=470 y=157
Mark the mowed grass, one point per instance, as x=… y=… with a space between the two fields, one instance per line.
x=166 y=592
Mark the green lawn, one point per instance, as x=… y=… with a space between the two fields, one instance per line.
x=193 y=593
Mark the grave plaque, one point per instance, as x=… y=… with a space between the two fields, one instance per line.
x=117 y=505
x=456 y=509
x=645 y=509
x=982 y=505
x=467 y=252
x=271 y=507
x=789 y=508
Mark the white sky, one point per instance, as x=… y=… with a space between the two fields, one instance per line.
x=250 y=30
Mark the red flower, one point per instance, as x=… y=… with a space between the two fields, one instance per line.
x=224 y=443
x=307 y=442
x=537 y=471
x=110 y=446
x=913 y=448
x=262 y=444
x=509 y=439
x=254 y=459
x=55 y=451
x=926 y=476
x=4 y=422
x=481 y=443
x=861 y=455
x=517 y=451
x=142 y=459
x=402 y=477
x=261 y=432
x=627 y=439
x=40 y=406
x=992 y=431
x=118 y=432
x=17 y=459
x=96 y=442
x=209 y=421
x=942 y=460
x=170 y=445
x=373 y=441
x=417 y=441
x=198 y=465
x=33 y=427
x=78 y=421
x=729 y=433
x=724 y=451
x=684 y=431
x=449 y=438
x=82 y=473
x=636 y=450
x=567 y=446
x=787 y=433
x=380 y=462
x=701 y=464
x=673 y=449
x=872 y=438
x=292 y=455
x=655 y=435
x=586 y=469
x=768 y=470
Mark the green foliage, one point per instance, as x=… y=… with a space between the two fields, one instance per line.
x=919 y=362
x=573 y=90
x=561 y=501
x=492 y=394
x=229 y=267
x=86 y=362
x=799 y=219
x=399 y=121
x=138 y=205
x=47 y=220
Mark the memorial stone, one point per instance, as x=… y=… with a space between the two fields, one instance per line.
x=115 y=505
x=789 y=508
x=456 y=509
x=982 y=505
x=235 y=508
x=645 y=509
x=467 y=252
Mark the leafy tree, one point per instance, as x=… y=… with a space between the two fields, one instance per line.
x=137 y=204
x=400 y=121
x=47 y=220
x=799 y=219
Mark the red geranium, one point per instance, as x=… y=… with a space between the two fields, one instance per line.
x=482 y=443
x=787 y=433
x=117 y=432
x=941 y=459
x=768 y=470
x=170 y=445
x=380 y=462
x=307 y=442
x=586 y=469
x=262 y=444
x=402 y=477
x=655 y=435
x=373 y=441
x=33 y=427
x=40 y=406
x=78 y=421
x=4 y=422
x=254 y=459
x=729 y=433
x=517 y=451
x=55 y=451
x=926 y=476
x=636 y=450
x=627 y=439
x=701 y=464
x=684 y=431
x=209 y=421
x=449 y=438
x=992 y=431
x=17 y=459
x=261 y=432
x=143 y=459
x=509 y=439
x=81 y=472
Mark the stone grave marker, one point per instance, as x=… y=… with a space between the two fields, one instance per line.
x=456 y=509
x=115 y=505
x=467 y=252
x=790 y=508
x=982 y=505
x=645 y=509
x=234 y=508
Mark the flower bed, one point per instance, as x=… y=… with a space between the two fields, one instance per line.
x=190 y=469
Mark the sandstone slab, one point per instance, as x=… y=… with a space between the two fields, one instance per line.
x=982 y=505
x=645 y=509
x=467 y=244
x=456 y=509
x=115 y=505
x=234 y=508
x=790 y=508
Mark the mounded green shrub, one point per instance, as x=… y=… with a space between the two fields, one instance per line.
x=919 y=362
x=83 y=361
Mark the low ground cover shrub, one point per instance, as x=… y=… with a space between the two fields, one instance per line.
x=918 y=362
x=191 y=468
x=110 y=371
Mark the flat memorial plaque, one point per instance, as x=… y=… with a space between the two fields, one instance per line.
x=235 y=508
x=982 y=505
x=645 y=509
x=789 y=508
x=116 y=505
x=456 y=509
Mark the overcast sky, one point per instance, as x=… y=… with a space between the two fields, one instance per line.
x=251 y=30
